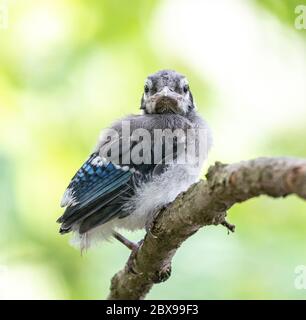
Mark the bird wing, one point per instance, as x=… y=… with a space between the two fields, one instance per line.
x=98 y=190
x=95 y=194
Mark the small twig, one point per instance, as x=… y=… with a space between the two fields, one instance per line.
x=230 y=227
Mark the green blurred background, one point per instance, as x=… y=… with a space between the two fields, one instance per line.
x=70 y=67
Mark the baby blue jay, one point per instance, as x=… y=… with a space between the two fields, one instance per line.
x=126 y=180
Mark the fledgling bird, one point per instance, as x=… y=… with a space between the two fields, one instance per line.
x=112 y=190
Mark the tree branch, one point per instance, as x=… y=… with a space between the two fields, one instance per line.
x=205 y=203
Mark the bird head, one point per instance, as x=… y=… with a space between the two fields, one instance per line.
x=166 y=91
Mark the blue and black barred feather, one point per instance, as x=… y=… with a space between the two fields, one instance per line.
x=96 y=194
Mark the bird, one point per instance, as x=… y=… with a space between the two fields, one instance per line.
x=140 y=164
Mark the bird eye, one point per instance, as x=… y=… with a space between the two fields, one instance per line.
x=185 y=88
x=146 y=88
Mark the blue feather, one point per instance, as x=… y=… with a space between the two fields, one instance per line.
x=93 y=187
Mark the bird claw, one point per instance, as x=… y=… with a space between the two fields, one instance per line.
x=131 y=261
x=160 y=276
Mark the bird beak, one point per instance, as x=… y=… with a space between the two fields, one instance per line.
x=166 y=100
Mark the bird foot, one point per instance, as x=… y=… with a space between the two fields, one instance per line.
x=131 y=265
x=129 y=244
x=160 y=276
x=134 y=247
